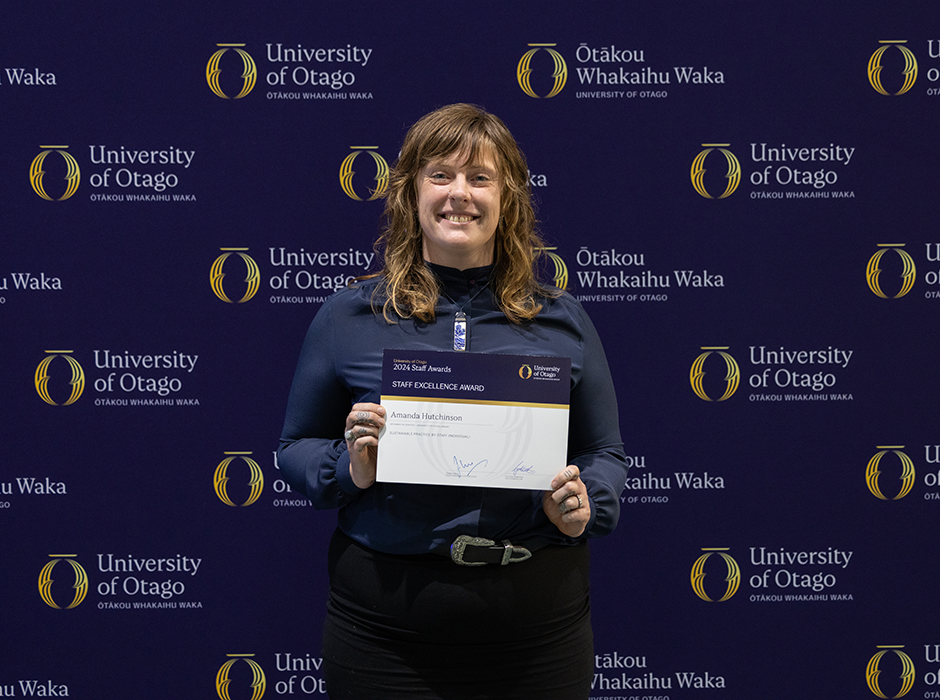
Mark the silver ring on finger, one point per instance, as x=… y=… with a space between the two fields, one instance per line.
x=349 y=435
x=580 y=502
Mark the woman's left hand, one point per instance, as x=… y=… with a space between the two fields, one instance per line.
x=567 y=504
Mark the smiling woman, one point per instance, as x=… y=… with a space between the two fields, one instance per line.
x=453 y=591
x=467 y=136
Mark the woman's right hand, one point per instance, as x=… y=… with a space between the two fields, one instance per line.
x=363 y=424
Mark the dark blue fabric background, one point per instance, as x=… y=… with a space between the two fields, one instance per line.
x=764 y=472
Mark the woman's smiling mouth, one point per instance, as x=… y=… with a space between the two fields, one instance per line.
x=458 y=218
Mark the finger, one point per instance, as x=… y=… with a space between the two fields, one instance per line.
x=366 y=414
x=376 y=408
x=359 y=431
x=572 y=501
x=578 y=516
x=362 y=417
x=568 y=489
x=365 y=417
x=567 y=474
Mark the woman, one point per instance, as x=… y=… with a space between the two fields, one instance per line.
x=404 y=619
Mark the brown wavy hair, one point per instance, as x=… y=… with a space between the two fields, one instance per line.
x=410 y=288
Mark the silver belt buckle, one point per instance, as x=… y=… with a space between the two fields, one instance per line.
x=460 y=544
x=510 y=549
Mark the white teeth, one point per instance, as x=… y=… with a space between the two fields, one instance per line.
x=458 y=219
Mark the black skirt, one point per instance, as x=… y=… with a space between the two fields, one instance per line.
x=423 y=627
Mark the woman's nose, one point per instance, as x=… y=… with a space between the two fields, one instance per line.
x=458 y=188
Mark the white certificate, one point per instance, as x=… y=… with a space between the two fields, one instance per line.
x=474 y=419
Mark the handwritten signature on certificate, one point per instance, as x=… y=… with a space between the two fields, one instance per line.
x=466 y=468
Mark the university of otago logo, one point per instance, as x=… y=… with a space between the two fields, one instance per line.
x=875 y=69
x=42 y=378
x=346 y=174
x=732 y=375
x=873 y=472
x=906 y=671
x=908 y=272
x=732 y=579
x=733 y=175
x=559 y=268
x=223 y=677
x=252 y=280
x=524 y=70
x=255 y=481
x=525 y=371
x=80 y=586
x=37 y=175
x=249 y=74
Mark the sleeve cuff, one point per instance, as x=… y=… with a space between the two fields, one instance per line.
x=344 y=478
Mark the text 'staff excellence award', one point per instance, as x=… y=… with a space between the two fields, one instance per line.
x=474 y=419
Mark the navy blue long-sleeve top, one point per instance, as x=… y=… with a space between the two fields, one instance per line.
x=341 y=364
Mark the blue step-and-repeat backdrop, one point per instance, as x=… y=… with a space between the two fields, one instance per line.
x=743 y=196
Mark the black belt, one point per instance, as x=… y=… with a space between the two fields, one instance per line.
x=479 y=551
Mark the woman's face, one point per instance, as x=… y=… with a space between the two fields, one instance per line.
x=458 y=209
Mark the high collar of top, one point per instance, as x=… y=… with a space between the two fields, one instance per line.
x=461 y=283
